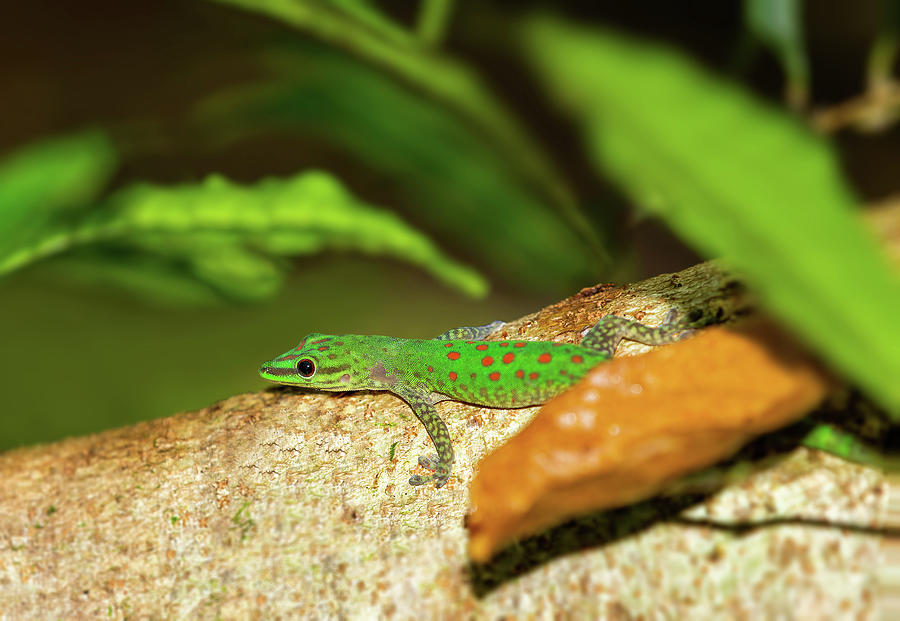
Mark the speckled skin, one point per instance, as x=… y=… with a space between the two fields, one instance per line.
x=457 y=365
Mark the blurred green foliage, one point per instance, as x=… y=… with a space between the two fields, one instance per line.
x=46 y=180
x=223 y=237
x=778 y=24
x=458 y=182
x=475 y=176
x=739 y=180
x=350 y=26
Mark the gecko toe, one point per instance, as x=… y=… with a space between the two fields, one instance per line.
x=432 y=462
x=429 y=461
x=419 y=480
x=671 y=317
x=686 y=333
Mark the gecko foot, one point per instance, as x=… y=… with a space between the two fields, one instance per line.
x=475 y=333
x=441 y=472
x=672 y=323
x=686 y=325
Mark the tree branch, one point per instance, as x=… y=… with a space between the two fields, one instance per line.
x=287 y=503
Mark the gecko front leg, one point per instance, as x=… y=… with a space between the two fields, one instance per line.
x=423 y=407
x=471 y=333
x=610 y=330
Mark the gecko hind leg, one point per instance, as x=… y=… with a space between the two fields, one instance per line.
x=474 y=333
x=441 y=463
x=606 y=335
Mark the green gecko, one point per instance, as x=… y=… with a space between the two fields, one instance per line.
x=457 y=366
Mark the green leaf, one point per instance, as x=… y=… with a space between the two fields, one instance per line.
x=432 y=20
x=439 y=77
x=45 y=178
x=883 y=53
x=459 y=187
x=360 y=15
x=232 y=238
x=846 y=445
x=779 y=25
x=737 y=179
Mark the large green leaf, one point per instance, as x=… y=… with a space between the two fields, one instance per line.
x=46 y=178
x=735 y=178
x=231 y=238
x=354 y=28
x=460 y=187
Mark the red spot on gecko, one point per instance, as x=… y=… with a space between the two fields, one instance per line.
x=520 y=373
x=449 y=345
x=519 y=344
x=504 y=344
x=323 y=347
x=453 y=375
x=469 y=342
x=577 y=358
x=453 y=355
x=431 y=369
x=507 y=358
x=532 y=376
x=494 y=376
x=544 y=358
x=481 y=347
x=487 y=361
x=317 y=342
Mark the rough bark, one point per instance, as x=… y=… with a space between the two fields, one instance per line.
x=287 y=504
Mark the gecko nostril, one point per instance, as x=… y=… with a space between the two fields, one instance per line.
x=266 y=370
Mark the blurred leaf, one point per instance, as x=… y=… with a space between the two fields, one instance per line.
x=883 y=53
x=464 y=191
x=231 y=237
x=48 y=177
x=441 y=78
x=847 y=445
x=432 y=19
x=779 y=25
x=361 y=13
x=736 y=179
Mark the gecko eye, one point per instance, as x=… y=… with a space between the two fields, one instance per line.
x=306 y=367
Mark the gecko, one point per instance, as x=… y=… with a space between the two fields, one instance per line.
x=458 y=365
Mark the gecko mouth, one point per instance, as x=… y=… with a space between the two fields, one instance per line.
x=276 y=371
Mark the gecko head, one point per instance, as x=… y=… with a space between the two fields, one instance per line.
x=320 y=361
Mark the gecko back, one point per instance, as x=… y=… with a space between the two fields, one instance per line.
x=495 y=373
